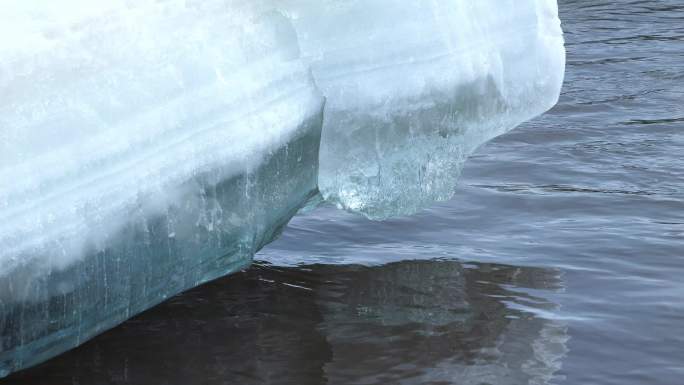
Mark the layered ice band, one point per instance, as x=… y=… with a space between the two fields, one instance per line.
x=149 y=146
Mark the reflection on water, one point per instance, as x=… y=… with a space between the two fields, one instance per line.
x=414 y=322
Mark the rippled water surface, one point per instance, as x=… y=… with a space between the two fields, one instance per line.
x=559 y=261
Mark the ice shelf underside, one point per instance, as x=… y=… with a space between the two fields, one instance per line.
x=148 y=147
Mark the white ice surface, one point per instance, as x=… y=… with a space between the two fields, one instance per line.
x=107 y=104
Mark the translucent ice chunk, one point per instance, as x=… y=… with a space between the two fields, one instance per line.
x=414 y=87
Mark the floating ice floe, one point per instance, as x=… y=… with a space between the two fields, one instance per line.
x=149 y=146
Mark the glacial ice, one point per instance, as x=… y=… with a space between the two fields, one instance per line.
x=149 y=146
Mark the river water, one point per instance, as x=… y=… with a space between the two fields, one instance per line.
x=559 y=261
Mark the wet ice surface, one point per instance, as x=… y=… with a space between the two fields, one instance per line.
x=566 y=237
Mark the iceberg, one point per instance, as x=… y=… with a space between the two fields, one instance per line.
x=147 y=147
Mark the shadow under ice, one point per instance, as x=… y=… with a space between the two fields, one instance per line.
x=427 y=322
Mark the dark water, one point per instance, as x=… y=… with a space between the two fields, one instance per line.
x=559 y=261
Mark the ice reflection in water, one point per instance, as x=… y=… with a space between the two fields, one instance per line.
x=413 y=322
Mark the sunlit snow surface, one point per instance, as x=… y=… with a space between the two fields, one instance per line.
x=149 y=146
